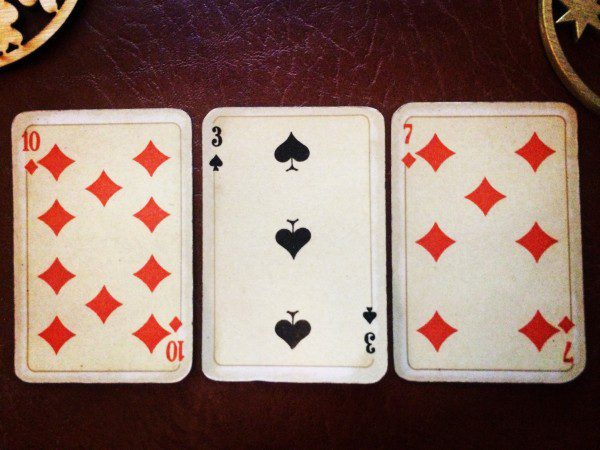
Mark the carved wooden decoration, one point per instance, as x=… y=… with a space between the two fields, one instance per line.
x=13 y=45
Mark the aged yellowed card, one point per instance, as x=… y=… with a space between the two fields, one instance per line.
x=294 y=245
x=487 y=277
x=103 y=245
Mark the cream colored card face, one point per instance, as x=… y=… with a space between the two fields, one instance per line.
x=103 y=246
x=487 y=276
x=294 y=245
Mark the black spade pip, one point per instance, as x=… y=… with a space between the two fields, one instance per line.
x=292 y=150
x=215 y=163
x=292 y=332
x=293 y=240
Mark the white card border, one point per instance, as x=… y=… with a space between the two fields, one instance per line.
x=401 y=364
x=371 y=374
x=90 y=117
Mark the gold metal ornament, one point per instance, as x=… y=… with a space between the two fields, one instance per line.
x=582 y=13
x=12 y=47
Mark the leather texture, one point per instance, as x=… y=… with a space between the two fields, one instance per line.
x=198 y=55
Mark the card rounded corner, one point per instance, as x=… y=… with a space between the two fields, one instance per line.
x=404 y=110
x=184 y=120
x=379 y=373
x=211 y=115
x=572 y=375
x=567 y=109
x=25 y=374
x=210 y=372
x=404 y=372
x=373 y=114
x=182 y=373
x=21 y=119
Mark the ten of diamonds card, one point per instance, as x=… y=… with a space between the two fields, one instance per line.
x=294 y=245
x=487 y=276
x=102 y=232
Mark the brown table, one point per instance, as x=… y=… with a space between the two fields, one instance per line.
x=197 y=55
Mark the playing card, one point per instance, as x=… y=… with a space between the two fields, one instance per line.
x=103 y=245
x=294 y=245
x=487 y=276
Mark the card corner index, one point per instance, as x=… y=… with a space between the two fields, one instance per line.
x=19 y=126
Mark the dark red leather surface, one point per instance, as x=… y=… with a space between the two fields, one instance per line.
x=198 y=55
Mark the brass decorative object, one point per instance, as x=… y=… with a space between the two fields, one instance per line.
x=582 y=13
x=12 y=47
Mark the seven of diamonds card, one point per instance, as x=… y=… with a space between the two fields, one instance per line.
x=294 y=245
x=103 y=275
x=487 y=276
